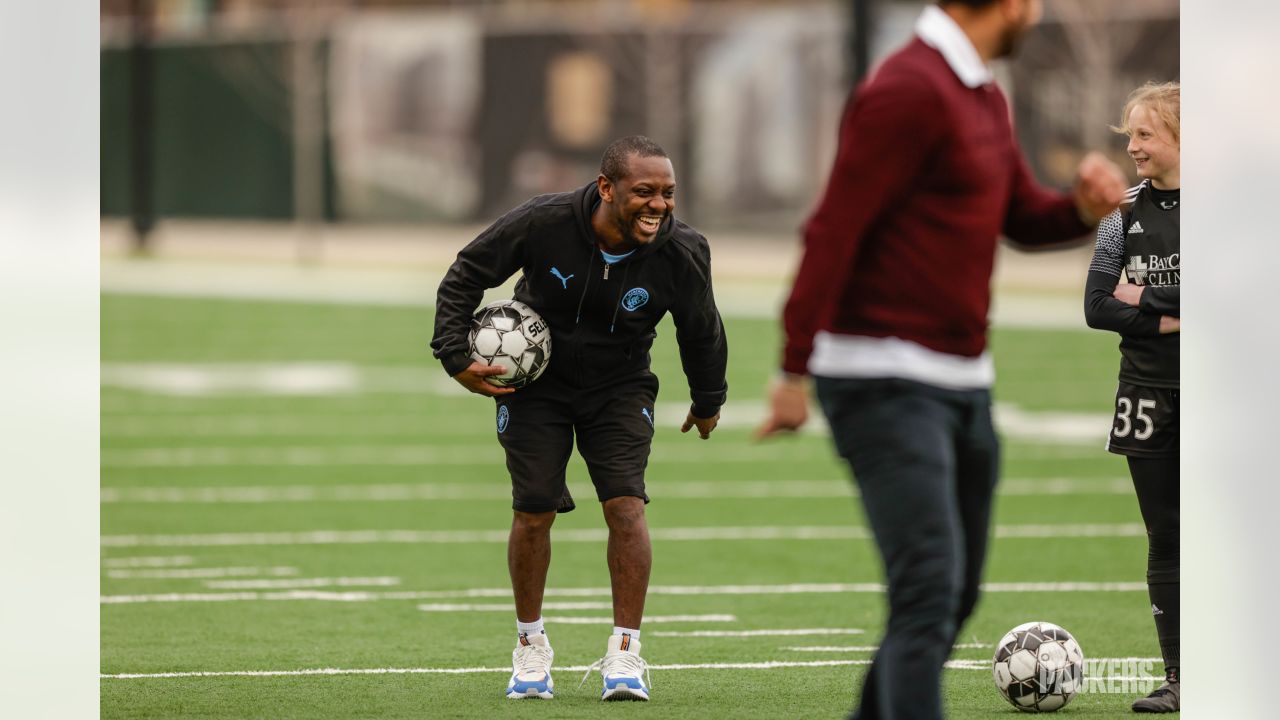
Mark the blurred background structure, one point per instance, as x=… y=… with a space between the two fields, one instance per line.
x=439 y=111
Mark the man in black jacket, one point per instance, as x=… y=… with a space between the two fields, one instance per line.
x=602 y=265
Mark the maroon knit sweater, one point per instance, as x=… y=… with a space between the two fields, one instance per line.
x=927 y=176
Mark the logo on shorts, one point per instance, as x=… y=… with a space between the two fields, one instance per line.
x=635 y=298
x=647 y=415
x=503 y=416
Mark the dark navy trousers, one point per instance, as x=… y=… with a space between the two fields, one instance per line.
x=926 y=461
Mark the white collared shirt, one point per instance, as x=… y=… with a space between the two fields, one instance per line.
x=937 y=30
x=875 y=357
x=860 y=356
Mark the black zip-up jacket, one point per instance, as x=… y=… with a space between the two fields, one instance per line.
x=602 y=317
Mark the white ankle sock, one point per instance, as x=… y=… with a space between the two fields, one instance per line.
x=530 y=628
x=635 y=634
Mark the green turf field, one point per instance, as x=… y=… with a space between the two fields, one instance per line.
x=292 y=487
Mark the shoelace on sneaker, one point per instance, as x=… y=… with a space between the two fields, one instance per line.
x=632 y=666
x=532 y=658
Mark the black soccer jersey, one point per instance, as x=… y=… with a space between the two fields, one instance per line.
x=1140 y=239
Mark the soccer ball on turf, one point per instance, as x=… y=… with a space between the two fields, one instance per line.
x=1038 y=667
x=510 y=333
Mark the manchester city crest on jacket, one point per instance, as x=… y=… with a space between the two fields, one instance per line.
x=635 y=298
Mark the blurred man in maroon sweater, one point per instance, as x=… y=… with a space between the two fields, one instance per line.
x=889 y=310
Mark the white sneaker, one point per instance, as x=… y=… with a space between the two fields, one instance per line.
x=625 y=673
x=531 y=669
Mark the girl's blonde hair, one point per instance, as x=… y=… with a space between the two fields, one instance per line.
x=1163 y=99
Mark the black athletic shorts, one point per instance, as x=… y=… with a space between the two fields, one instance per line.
x=1145 y=423
x=613 y=425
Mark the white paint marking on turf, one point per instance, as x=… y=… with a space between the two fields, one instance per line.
x=150 y=562
x=592 y=535
x=870 y=648
x=1065 y=486
x=1069 y=531
x=509 y=607
x=811 y=588
x=255 y=379
x=608 y=620
x=453 y=491
x=1057 y=427
x=1059 y=531
x=444 y=454
x=788 y=589
x=198 y=573
x=1021 y=587
x=1012 y=421
x=347 y=425
x=768 y=665
x=352 y=596
x=968 y=665
x=395 y=455
x=986 y=665
x=338 y=378
x=833 y=648
x=762 y=489
x=302 y=583
x=783 y=632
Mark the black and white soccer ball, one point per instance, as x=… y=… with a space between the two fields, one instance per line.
x=1038 y=667
x=510 y=333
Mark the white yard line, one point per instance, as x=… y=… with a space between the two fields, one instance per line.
x=510 y=607
x=489 y=454
x=968 y=665
x=307 y=379
x=302 y=583
x=787 y=589
x=870 y=648
x=608 y=620
x=1021 y=587
x=1061 y=531
x=654 y=590
x=132 y=421
x=464 y=671
x=737 y=490
x=782 y=632
x=833 y=648
x=458 y=453
x=198 y=573
x=588 y=535
x=129 y=421
x=1065 y=486
x=455 y=491
x=1061 y=428
x=405 y=455
x=766 y=665
x=792 y=589
x=148 y=562
x=330 y=379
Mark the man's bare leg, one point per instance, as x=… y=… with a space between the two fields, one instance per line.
x=528 y=558
x=630 y=558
